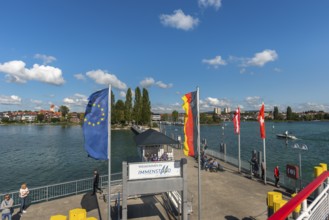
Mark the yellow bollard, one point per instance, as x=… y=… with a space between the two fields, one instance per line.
x=91 y=218
x=278 y=204
x=324 y=166
x=271 y=197
x=317 y=171
x=297 y=209
x=58 y=217
x=78 y=214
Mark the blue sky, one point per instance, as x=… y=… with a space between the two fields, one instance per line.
x=238 y=52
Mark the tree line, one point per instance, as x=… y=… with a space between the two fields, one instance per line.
x=126 y=112
x=136 y=111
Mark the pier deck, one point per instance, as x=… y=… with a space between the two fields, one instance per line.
x=226 y=195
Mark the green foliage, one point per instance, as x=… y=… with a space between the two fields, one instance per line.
x=54 y=120
x=289 y=113
x=164 y=117
x=64 y=110
x=137 y=109
x=119 y=112
x=146 y=108
x=276 y=113
x=40 y=117
x=128 y=106
x=174 y=115
x=154 y=125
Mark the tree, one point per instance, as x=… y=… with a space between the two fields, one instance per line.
x=203 y=118
x=119 y=112
x=174 y=115
x=276 y=113
x=164 y=117
x=137 y=109
x=289 y=113
x=146 y=108
x=64 y=110
x=40 y=117
x=128 y=106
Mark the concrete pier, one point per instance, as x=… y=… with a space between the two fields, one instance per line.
x=227 y=195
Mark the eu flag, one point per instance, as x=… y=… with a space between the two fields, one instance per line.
x=95 y=126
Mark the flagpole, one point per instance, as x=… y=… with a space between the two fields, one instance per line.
x=239 y=153
x=109 y=151
x=199 y=157
x=264 y=149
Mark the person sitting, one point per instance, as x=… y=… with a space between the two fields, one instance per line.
x=214 y=166
x=164 y=156
x=208 y=164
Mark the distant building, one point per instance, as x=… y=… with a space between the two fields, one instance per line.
x=227 y=110
x=218 y=111
x=74 y=117
x=52 y=108
x=155 y=117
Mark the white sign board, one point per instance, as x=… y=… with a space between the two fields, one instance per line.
x=151 y=170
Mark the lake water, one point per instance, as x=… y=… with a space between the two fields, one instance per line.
x=315 y=135
x=43 y=155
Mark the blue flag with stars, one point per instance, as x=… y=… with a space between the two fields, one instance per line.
x=95 y=125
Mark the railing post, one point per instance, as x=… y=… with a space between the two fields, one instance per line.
x=47 y=195
x=304 y=206
x=76 y=187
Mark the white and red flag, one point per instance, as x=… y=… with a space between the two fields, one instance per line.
x=236 y=121
x=261 y=119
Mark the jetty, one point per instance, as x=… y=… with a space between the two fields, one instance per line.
x=225 y=195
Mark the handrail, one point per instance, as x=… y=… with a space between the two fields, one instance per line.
x=285 y=210
x=60 y=190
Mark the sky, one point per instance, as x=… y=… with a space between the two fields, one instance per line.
x=237 y=52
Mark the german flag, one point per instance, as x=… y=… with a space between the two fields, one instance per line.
x=191 y=123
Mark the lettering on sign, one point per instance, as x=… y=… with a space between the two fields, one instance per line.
x=150 y=170
x=292 y=171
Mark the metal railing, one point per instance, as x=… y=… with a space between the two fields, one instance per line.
x=318 y=209
x=60 y=190
x=285 y=182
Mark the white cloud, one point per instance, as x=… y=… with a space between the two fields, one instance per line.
x=278 y=70
x=122 y=94
x=261 y=58
x=210 y=3
x=46 y=59
x=209 y=101
x=163 y=85
x=37 y=102
x=179 y=20
x=10 y=100
x=104 y=78
x=80 y=76
x=76 y=100
x=215 y=62
x=16 y=72
x=253 y=102
x=147 y=82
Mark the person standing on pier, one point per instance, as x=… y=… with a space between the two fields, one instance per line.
x=95 y=183
x=23 y=193
x=276 y=176
x=7 y=207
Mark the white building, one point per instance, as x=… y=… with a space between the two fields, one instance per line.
x=218 y=111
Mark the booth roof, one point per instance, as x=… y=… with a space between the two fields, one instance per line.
x=152 y=137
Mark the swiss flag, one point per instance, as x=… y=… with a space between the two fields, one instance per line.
x=261 y=119
x=236 y=121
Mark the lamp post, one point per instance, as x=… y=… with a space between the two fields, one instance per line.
x=300 y=148
x=223 y=129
